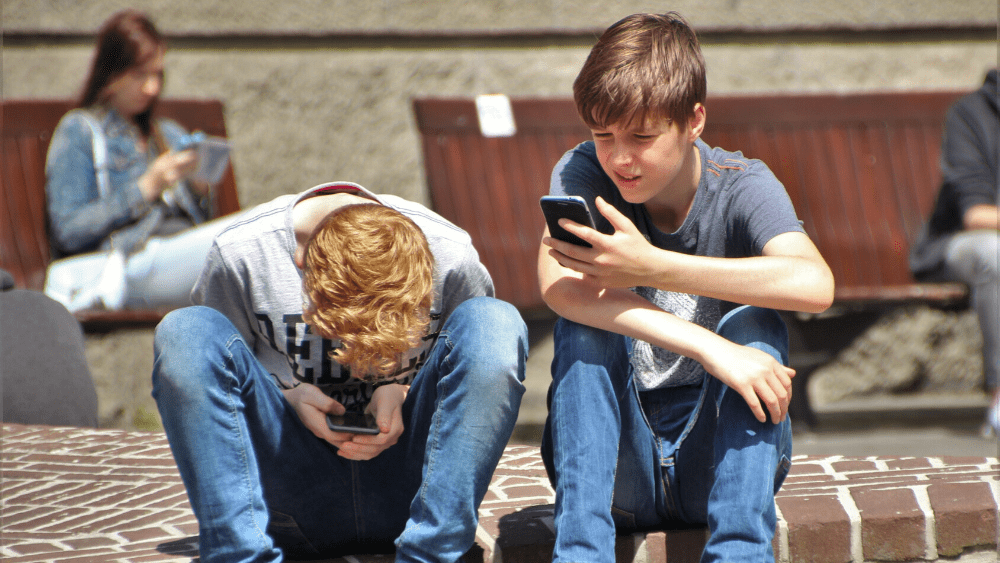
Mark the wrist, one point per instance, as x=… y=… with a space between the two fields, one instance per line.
x=149 y=186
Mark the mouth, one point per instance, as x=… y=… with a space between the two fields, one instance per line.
x=627 y=179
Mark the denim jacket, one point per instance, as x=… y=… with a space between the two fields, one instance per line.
x=80 y=220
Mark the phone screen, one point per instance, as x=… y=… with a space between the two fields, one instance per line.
x=353 y=422
x=573 y=208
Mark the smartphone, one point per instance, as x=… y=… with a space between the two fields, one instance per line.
x=353 y=423
x=572 y=207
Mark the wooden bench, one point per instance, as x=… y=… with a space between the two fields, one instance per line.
x=862 y=171
x=24 y=243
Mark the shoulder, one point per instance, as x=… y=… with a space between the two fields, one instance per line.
x=581 y=159
x=434 y=226
x=76 y=122
x=73 y=133
x=258 y=225
x=732 y=170
x=579 y=172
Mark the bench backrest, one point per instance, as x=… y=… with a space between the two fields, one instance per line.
x=861 y=169
x=27 y=129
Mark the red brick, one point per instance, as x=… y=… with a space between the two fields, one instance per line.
x=892 y=524
x=809 y=478
x=965 y=516
x=806 y=468
x=41 y=518
x=955 y=461
x=528 y=492
x=910 y=463
x=852 y=465
x=90 y=542
x=819 y=530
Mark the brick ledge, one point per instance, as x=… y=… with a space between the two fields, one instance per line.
x=71 y=494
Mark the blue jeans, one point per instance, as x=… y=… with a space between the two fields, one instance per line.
x=263 y=486
x=673 y=457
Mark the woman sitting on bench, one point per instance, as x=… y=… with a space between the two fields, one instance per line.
x=120 y=185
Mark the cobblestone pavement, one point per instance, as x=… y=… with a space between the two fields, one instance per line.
x=83 y=495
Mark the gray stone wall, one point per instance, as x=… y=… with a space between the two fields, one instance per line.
x=307 y=101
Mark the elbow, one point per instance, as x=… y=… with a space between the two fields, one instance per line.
x=820 y=298
x=565 y=296
x=556 y=297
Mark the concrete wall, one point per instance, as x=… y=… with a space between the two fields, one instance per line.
x=321 y=90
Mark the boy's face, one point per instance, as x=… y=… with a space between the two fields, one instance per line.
x=648 y=162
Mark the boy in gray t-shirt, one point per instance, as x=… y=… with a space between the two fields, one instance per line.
x=669 y=399
x=328 y=301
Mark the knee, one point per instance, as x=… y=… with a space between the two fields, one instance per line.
x=187 y=340
x=756 y=327
x=491 y=332
x=973 y=256
x=184 y=328
x=577 y=342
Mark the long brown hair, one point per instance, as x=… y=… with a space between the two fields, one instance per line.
x=127 y=39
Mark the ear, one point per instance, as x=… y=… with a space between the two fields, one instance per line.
x=696 y=123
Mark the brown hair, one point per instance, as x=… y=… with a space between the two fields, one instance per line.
x=127 y=39
x=646 y=66
x=368 y=281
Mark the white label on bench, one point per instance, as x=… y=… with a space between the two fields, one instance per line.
x=496 y=118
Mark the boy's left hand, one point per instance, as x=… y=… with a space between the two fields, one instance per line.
x=763 y=382
x=387 y=407
x=621 y=259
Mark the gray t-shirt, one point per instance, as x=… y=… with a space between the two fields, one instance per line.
x=738 y=208
x=250 y=276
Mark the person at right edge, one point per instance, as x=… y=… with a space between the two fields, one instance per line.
x=959 y=241
x=669 y=395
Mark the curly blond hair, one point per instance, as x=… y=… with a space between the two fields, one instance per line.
x=368 y=281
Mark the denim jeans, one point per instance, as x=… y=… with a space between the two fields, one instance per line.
x=263 y=486
x=672 y=457
x=972 y=257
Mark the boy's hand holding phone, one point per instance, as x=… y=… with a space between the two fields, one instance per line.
x=386 y=407
x=621 y=260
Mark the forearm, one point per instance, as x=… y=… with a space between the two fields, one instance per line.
x=623 y=312
x=81 y=225
x=792 y=283
x=982 y=217
x=618 y=310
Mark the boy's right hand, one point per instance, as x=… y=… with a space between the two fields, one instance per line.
x=312 y=406
x=762 y=381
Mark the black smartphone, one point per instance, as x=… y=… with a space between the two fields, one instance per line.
x=572 y=207
x=353 y=423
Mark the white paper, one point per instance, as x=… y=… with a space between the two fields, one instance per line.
x=213 y=157
x=496 y=118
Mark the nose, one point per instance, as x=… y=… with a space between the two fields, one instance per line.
x=621 y=156
x=151 y=86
